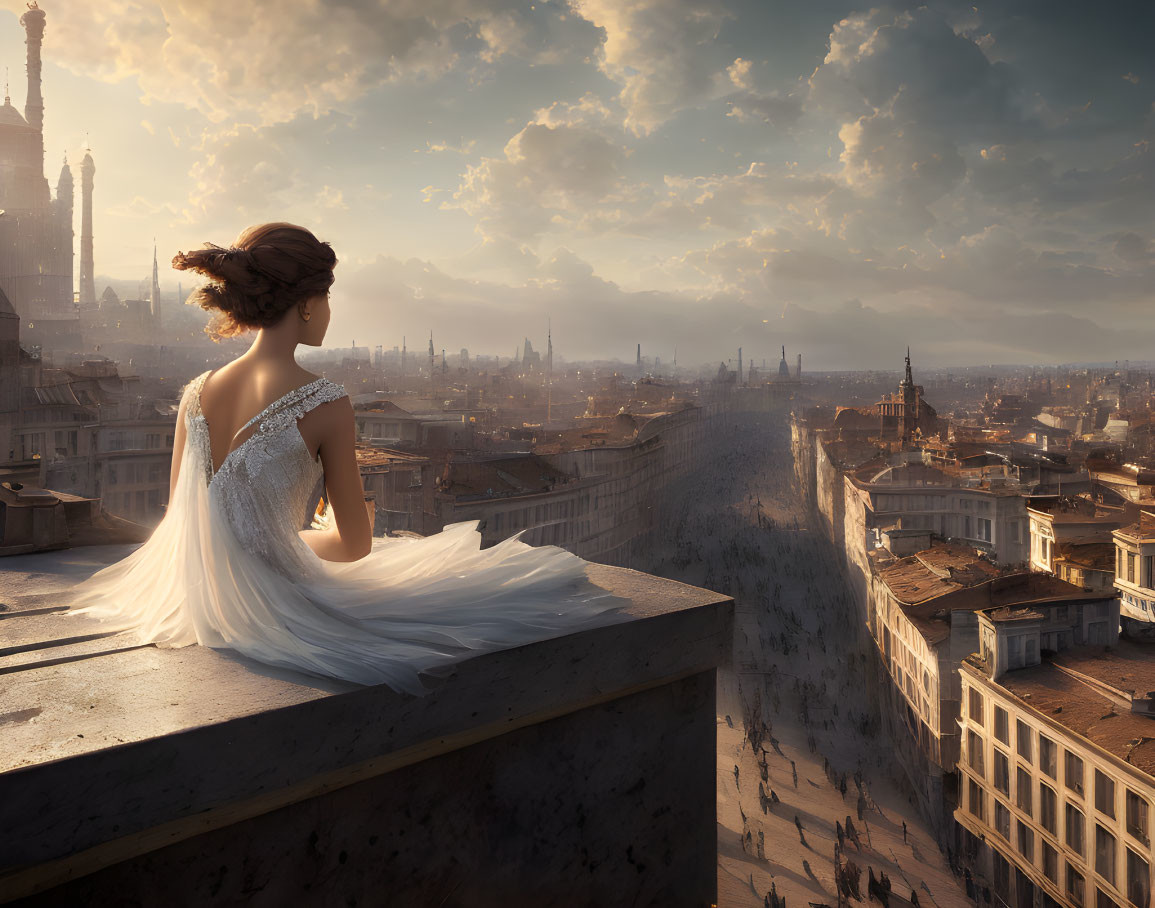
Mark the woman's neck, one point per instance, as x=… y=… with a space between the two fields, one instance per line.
x=273 y=343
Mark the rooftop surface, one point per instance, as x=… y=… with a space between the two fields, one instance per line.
x=372 y=456
x=1095 y=555
x=947 y=578
x=1078 y=509
x=1141 y=529
x=1129 y=667
x=933 y=572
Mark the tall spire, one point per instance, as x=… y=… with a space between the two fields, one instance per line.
x=154 y=293
x=87 y=274
x=908 y=378
x=65 y=199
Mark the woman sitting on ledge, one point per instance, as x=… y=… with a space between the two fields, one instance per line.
x=230 y=566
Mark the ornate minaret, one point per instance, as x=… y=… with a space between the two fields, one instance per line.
x=87 y=276
x=154 y=293
x=549 y=372
x=65 y=199
x=33 y=22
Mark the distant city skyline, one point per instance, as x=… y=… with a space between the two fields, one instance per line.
x=974 y=182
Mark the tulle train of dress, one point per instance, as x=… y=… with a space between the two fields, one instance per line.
x=226 y=568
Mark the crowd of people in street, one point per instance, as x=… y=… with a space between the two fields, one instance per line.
x=802 y=668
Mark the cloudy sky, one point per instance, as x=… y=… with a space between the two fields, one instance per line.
x=842 y=179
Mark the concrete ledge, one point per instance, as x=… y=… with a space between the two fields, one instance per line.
x=120 y=759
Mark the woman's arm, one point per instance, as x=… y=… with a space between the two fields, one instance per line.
x=177 y=450
x=350 y=536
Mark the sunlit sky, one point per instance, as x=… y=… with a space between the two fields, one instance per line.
x=976 y=182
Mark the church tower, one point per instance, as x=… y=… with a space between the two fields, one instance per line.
x=910 y=394
x=87 y=275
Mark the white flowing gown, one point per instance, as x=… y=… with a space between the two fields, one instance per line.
x=227 y=568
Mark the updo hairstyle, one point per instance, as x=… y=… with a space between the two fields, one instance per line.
x=272 y=268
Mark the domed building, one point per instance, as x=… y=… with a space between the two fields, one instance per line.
x=36 y=239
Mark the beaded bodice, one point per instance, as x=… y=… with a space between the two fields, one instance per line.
x=264 y=484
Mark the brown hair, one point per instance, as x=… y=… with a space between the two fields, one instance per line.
x=272 y=268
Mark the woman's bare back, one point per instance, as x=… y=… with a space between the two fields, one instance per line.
x=233 y=394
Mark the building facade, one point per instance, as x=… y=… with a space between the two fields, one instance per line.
x=1135 y=571
x=1055 y=771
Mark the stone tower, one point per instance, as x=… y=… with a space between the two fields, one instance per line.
x=33 y=22
x=87 y=274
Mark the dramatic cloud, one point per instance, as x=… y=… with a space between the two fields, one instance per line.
x=552 y=174
x=977 y=181
x=659 y=51
x=269 y=60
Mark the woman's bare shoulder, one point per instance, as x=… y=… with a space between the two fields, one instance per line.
x=236 y=377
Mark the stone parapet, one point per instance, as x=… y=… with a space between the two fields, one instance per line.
x=573 y=770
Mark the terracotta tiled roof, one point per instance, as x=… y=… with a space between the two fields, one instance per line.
x=1063 y=698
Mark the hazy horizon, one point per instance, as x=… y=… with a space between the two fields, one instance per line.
x=844 y=181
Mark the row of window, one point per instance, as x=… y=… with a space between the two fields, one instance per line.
x=1138 y=873
x=1136 y=808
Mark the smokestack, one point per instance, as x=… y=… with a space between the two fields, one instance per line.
x=87 y=275
x=33 y=22
x=798 y=373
